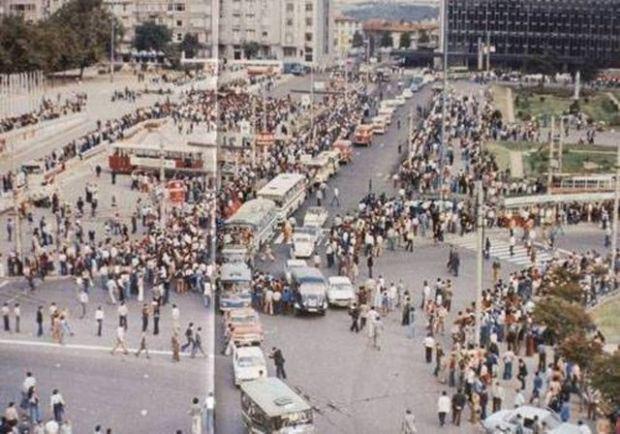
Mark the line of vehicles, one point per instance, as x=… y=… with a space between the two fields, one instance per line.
x=268 y=404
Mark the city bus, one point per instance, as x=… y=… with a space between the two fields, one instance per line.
x=287 y=190
x=269 y=406
x=251 y=226
x=127 y=157
x=235 y=286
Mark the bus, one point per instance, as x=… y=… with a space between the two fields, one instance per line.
x=287 y=190
x=269 y=406
x=127 y=157
x=235 y=286
x=251 y=226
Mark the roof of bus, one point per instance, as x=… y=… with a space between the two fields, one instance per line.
x=236 y=271
x=252 y=211
x=274 y=397
x=281 y=184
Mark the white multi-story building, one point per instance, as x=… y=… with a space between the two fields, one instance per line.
x=344 y=31
x=286 y=30
x=180 y=16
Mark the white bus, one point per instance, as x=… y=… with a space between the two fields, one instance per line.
x=252 y=225
x=287 y=190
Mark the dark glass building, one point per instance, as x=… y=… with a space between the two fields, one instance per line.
x=574 y=32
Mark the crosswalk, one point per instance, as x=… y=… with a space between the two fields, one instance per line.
x=501 y=250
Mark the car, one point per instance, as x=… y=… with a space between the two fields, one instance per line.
x=303 y=245
x=247 y=329
x=407 y=93
x=378 y=125
x=315 y=216
x=505 y=421
x=310 y=288
x=340 y=291
x=291 y=265
x=248 y=364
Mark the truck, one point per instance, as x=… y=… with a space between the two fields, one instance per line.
x=363 y=135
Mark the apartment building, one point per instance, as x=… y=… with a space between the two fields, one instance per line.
x=286 y=30
x=344 y=30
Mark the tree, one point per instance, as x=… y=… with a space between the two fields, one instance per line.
x=152 y=36
x=358 y=40
x=386 y=40
x=83 y=28
x=190 y=45
x=405 y=40
x=250 y=49
x=605 y=376
x=561 y=317
x=580 y=349
x=562 y=283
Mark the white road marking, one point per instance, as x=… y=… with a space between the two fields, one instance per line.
x=26 y=343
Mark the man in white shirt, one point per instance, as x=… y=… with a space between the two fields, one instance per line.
x=99 y=318
x=120 y=341
x=443 y=407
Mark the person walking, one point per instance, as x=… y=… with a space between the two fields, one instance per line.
x=120 y=341
x=335 y=198
x=145 y=317
x=408 y=426
x=39 y=321
x=123 y=311
x=143 y=346
x=278 y=360
x=370 y=262
x=443 y=407
x=354 y=313
x=176 y=346
x=57 y=404
x=5 y=316
x=17 y=315
x=210 y=405
x=99 y=319
x=197 y=344
x=189 y=337
x=195 y=411
x=429 y=345
x=83 y=300
x=458 y=403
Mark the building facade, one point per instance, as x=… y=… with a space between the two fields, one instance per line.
x=423 y=34
x=286 y=30
x=344 y=30
x=572 y=31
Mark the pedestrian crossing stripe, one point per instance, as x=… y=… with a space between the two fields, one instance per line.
x=501 y=250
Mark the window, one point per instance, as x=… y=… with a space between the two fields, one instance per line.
x=290 y=7
x=308 y=37
x=309 y=7
x=180 y=7
x=309 y=22
x=179 y=23
x=179 y=37
x=289 y=21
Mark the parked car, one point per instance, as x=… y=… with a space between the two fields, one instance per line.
x=310 y=288
x=340 y=291
x=506 y=421
x=315 y=216
x=248 y=364
x=407 y=93
x=379 y=124
x=290 y=266
x=247 y=327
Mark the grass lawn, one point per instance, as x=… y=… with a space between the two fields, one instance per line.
x=529 y=103
x=502 y=155
x=574 y=160
x=607 y=318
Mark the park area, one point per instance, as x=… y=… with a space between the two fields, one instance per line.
x=607 y=319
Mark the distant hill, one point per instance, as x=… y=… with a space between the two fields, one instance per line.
x=389 y=11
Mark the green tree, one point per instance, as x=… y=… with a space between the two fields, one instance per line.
x=83 y=28
x=250 y=49
x=580 y=349
x=563 y=284
x=152 y=36
x=386 y=40
x=405 y=40
x=561 y=317
x=605 y=376
x=358 y=40
x=25 y=46
x=190 y=45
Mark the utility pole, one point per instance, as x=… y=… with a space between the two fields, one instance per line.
x=444 y=103
x=549 y=169
x=479 y=260
x=312 y=102
x=162 y=179
x=561 y=145
x=614 y=239
x=112 y=38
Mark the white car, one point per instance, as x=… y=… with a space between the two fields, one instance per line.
x=292 y=264
x=303 y=245
x=316 y=216
x=407 y=93
x=340 y=291
x=401 y=100
x=248 y=364
x=378 y=124
x=505 y=421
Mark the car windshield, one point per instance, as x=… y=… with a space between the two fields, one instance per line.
x=242 y=319
x=343 y=286
x=249 y=361
x=302 y=238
